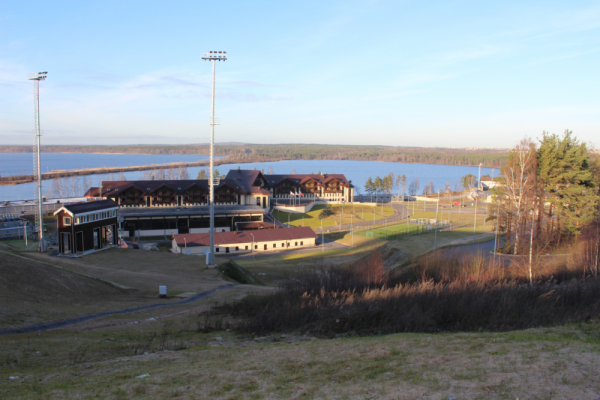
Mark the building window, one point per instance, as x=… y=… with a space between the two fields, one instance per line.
x=216 y=249
x=67 y=221
x=256 y=247
x=237 y=248
x=301 y=243
x=246 y=247
x=282 y=244
x=274 y=245
x=296 y=244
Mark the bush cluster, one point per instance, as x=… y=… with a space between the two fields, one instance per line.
x=445 y=291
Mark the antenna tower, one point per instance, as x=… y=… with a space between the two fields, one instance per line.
x=37 y=168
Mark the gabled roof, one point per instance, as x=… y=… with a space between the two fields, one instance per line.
x=274 y=180
x=88 y=206
x=263 y=235
x=240 y=180
x=245 y=178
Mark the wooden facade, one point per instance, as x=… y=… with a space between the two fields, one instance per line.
x=86 y=227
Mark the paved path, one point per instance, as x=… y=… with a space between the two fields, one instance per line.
x=71 y=321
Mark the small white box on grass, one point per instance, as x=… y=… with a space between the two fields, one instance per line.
x=162 y=291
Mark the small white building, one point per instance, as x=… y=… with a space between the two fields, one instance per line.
x=246 y=241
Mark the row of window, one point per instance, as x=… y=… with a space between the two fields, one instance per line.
x=237 y=248
x=90 y=217
x=172 y=223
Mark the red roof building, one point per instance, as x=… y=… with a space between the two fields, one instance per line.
x=246 y=241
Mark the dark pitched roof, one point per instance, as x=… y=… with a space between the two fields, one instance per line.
x=240 y=180
x=246 y=178
x=263 y=235
x=89 y=206
x=302 y=178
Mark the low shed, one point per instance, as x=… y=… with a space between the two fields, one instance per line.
x=246 y=241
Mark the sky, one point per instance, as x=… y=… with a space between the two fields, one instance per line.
x=401 y=73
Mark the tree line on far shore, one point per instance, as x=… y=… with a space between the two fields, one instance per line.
x=245 y=153
x=398 y=184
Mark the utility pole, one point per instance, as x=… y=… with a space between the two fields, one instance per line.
x=322 y=237
x=213 y=56
x=351 y=230
x=37 y=167
x=497 y=223
x=436 y=221
x=476 y=198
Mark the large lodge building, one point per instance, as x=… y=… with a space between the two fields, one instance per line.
x=169 y=207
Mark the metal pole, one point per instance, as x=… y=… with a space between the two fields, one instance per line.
x=25 y=232
x=322 y=237
x=351 y=231
x=497 y=223
x=436 y=222
x=211 y=260
x=476 y=198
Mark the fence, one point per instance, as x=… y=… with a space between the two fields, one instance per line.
x=381 y=198
x=363 y=225
x=412 y=230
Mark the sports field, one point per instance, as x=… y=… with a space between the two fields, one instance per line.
x=392 y=232
x=343 y=214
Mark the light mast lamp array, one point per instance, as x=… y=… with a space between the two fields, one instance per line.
x=37 y=168
x=213 y=56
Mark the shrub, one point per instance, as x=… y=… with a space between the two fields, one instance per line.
x=445 y=291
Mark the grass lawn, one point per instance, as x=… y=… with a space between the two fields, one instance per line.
x=391 y=230
x=284 y=265
x=142 y=269
x=19 y=244
x=458 y=219
x=182 y=362
x=347 y=213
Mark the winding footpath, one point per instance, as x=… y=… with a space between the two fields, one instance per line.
x=71 y=321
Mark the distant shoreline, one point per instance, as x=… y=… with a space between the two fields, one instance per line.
x=252 y=153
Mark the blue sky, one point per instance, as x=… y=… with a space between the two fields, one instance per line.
x=406 y=73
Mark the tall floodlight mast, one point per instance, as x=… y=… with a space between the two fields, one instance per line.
x=213 y=56
x=37 y=168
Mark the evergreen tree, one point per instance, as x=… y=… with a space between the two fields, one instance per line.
x=568 y=181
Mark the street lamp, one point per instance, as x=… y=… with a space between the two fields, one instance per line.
x=213 y=56
x=36 y=78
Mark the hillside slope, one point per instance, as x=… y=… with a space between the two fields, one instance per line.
x=33 y=292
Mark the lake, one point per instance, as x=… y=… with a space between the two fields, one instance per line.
x=22 y=163
x=356 y=171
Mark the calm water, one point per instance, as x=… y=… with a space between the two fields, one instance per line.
x=356 y=171
x=22 y=163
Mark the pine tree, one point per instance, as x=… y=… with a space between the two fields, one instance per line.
x=568 y=181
